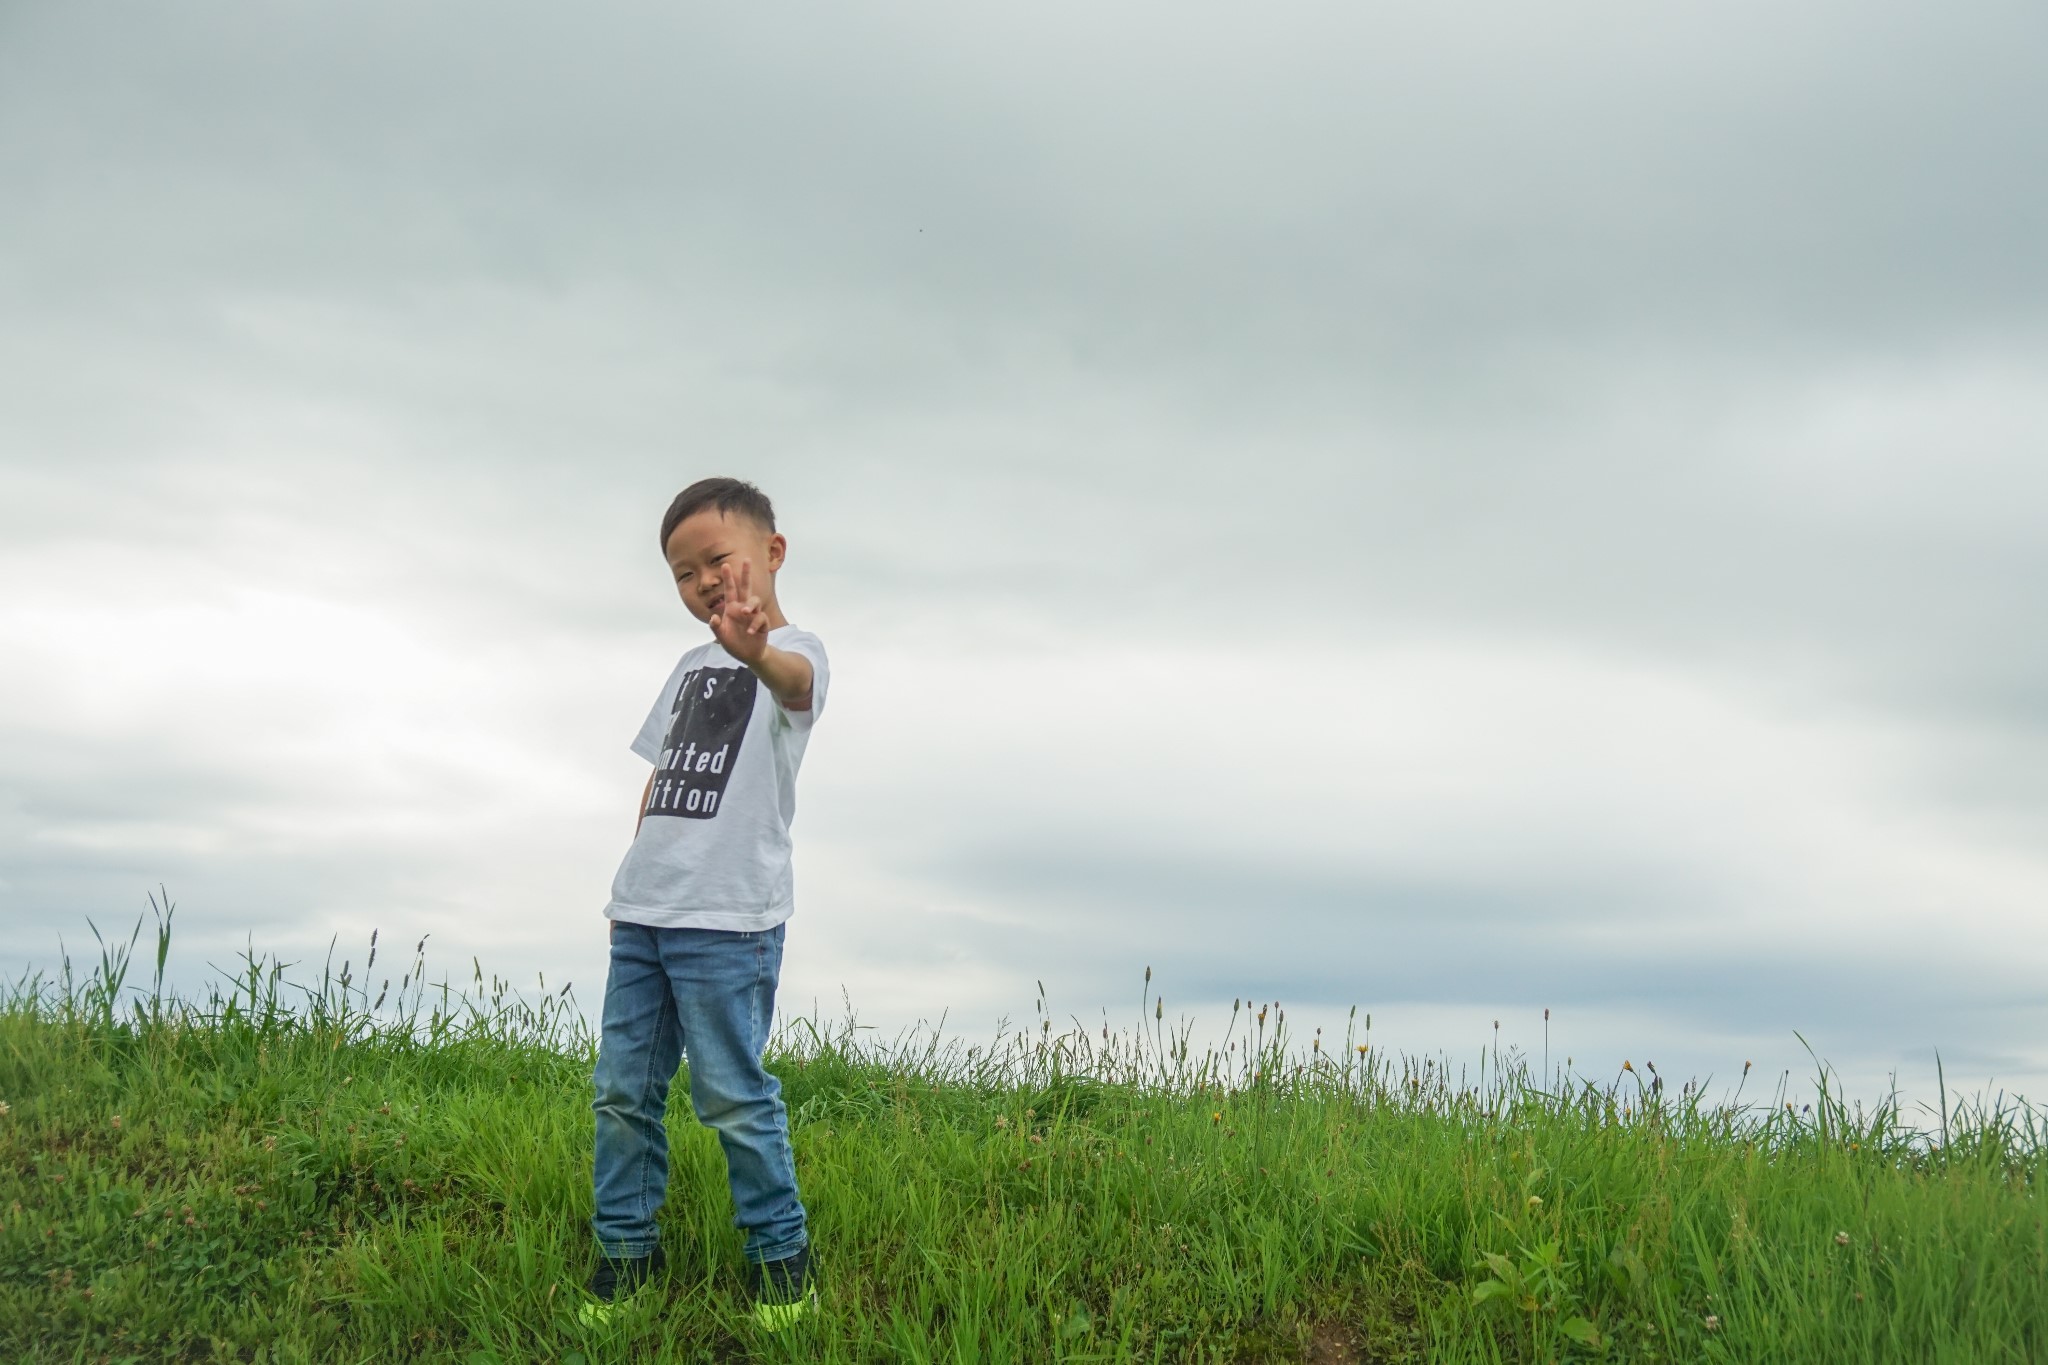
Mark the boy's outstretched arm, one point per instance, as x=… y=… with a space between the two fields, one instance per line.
x=788 y=675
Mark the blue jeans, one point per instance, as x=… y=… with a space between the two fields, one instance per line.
x=710 y=993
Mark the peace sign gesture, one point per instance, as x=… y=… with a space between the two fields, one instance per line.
x=738 y=620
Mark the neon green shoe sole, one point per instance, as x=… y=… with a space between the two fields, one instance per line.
x=594 y=1313
x=775 y=1317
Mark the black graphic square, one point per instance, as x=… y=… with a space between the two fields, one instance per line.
x=709 y=720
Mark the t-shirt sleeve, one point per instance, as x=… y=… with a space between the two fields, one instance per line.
x=654 y=729
x=812 y=648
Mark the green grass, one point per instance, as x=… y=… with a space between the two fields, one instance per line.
x=329 y=1180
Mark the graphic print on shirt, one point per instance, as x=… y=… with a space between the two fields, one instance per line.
x=708 y=722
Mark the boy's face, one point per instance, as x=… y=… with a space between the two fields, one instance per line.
x=706 y=550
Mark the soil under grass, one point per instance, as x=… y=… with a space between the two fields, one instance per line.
x=246 y=1180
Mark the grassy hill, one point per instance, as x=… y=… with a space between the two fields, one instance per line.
x=336 y=1178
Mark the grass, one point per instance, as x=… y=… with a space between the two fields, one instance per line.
x=337 y=1179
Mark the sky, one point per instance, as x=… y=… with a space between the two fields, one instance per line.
x=1459 y=511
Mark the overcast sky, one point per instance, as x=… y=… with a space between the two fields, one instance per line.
x=1457 y=509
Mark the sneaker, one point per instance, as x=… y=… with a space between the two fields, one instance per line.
x=615 y=1281
x=782 y=1291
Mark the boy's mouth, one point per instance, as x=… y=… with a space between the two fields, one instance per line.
x=712 y=607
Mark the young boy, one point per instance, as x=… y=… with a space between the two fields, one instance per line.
x=698 y=906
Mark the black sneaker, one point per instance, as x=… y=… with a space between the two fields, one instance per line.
x=615 y=1281
x=782 y=1291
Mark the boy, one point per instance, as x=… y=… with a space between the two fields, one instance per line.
x=698 y=906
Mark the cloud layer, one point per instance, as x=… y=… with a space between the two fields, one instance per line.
x=1459 y=514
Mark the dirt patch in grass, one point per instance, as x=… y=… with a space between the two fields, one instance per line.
x=1366 y=1332
x=1334 y=1342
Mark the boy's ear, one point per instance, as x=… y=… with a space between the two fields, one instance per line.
x=778 y=550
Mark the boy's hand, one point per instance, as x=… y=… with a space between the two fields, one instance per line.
x=739 y=623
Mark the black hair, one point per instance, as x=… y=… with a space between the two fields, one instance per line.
x=730 y=496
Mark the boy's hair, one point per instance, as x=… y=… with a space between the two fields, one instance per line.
x=730 y=496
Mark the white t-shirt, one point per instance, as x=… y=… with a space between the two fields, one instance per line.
x=713 y=847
